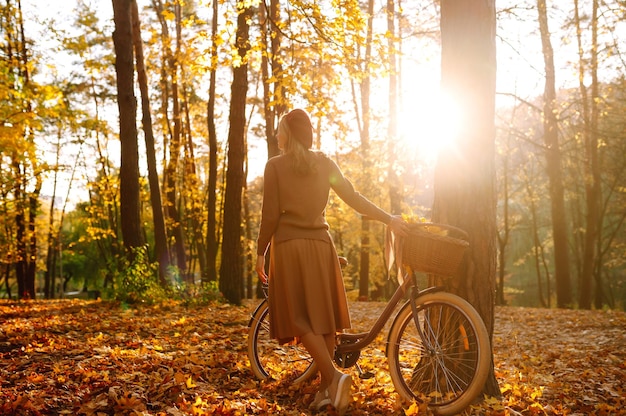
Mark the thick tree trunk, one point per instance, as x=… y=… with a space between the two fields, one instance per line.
x=465 y=194
x=231 y=271
x=127 y=106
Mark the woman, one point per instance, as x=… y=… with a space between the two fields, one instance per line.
x=307 y=298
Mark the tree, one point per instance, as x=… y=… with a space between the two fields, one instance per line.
x=231 y=271
x=364 y=130
x=395 y=195
x=127 y=106
x=553 y=167
x=274 y=91
x=54 y=232
x=160 y=237
x=212 y=240
x=18 y=147
x=170 y=91
x=465 y=172
x=590 y=105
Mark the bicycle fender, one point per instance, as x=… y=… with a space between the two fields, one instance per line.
x=432 y=289
x=259 y=306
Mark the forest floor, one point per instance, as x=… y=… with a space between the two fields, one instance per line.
x=100 y=358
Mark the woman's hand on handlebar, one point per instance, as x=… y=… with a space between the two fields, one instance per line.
x=260 y=268
x=398 y=226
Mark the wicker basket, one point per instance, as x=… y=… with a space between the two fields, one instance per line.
x=434 y=248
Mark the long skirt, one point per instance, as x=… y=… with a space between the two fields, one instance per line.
x=306 y=292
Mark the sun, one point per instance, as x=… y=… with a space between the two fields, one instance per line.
x=429 y=124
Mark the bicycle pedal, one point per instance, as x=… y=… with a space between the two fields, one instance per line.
x=366 y=375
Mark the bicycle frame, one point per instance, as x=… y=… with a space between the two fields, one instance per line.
x=350 y=343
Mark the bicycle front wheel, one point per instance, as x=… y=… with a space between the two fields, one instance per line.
x=268 y=359
x=442 y=356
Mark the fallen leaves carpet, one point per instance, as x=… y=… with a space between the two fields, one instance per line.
x=98 y=358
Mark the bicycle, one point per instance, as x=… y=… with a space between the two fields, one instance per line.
x=437 y=347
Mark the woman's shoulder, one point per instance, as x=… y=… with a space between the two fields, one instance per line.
x=326 y=162
x=322 y=157
x=276 y=160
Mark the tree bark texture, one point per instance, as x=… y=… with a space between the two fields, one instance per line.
x=364 y=267
x=211 y=239
x=592 y=179
x=170 y=75
x=465 y=191
x=553 y=167
x=127 y=105
x=160 y=236
x=231 y=271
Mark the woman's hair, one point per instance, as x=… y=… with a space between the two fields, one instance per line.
x=297 y=128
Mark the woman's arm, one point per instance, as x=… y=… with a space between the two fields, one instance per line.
x=345 y=190
x=270 y=211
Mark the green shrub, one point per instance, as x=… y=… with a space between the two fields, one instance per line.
x=138 y=281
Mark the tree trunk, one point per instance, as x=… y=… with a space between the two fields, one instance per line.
x=538 y=247
x=231 y=272
x=20 y=231
x=51 y=253
x=273 y=91
x=33 y=208
x=191 y=183
x=364 y=269
x=395 y=194
x=127 y=105
x=171 y=169
x=160 y=236
x=211 y=238
x=6 y=274
x=24 y=164
x=249 y=255
x=465 y=194
x=393 y=180
x=594 y=195
x=592 y=170
x=553 y=166
x=503 y=235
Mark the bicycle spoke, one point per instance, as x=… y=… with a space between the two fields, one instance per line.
x=436 y=355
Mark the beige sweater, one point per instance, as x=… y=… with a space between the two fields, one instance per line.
x=294 y=206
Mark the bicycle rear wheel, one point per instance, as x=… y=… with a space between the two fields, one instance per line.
x=445 y=359
x=268 y=359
